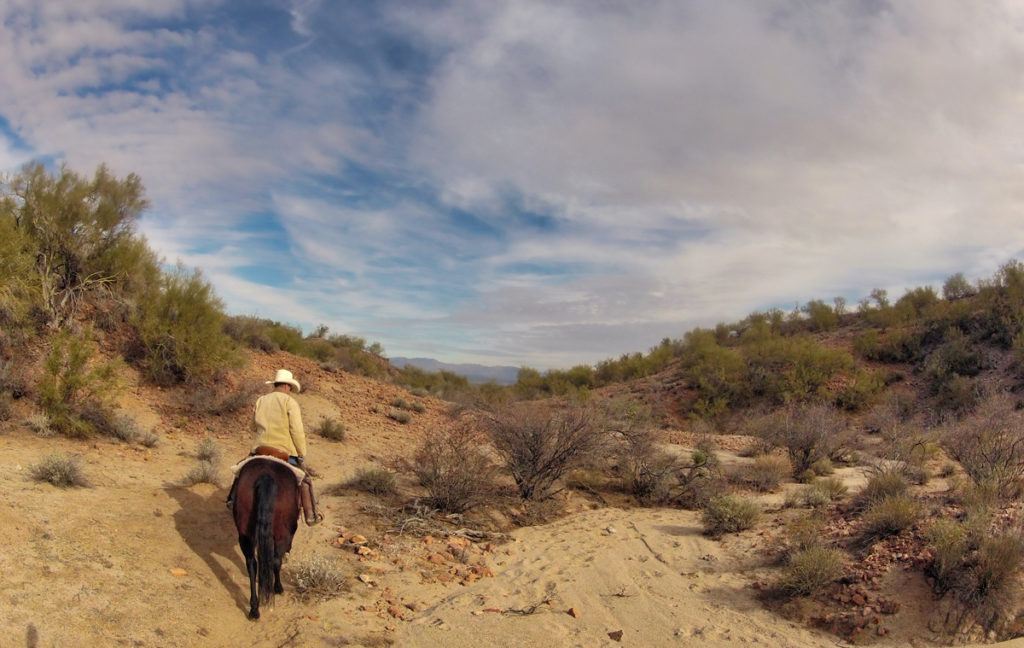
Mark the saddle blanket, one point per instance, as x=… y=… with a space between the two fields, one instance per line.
x=299 y=474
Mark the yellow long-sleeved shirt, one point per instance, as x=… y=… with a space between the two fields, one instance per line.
x=279 y=424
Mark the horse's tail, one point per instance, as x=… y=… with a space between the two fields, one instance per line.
x=265 y=498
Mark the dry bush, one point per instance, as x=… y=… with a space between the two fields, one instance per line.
x=453 y=466
x=399 y=415
x=947 y=470
x=318 y=577
x=765 y=473
x=219 y=399
x=810 y=570
x=417 y=407
x=6 y=410
x=400 y=403
x=204 y=472
x=61 y=470
x=808 y=434
x=804 y=532
x=832 y=486
x=376 y=481
x=208 y=450
x=332 y=429
x=823 y=467
x=989 y=445
x=890 y=515
x=419 y=392
x=149 y=439
x=647 y=470
x=539 y=444
x=729 y=514
x=13 y=380
x=112 y=424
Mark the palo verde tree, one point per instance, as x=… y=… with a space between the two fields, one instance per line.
x=74 y=225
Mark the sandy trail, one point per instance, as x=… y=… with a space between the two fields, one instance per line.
x=649 y=573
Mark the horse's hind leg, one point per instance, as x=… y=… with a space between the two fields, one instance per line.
x=250 y=566
x=278 y=587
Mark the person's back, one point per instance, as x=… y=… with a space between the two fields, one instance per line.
x=278 y=422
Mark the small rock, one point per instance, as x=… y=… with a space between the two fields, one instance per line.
x=357 y=539
x=366 y=579
x=395 y=612
x=573 y=613
x=477 y=612
x=363 y=550
x=616 y=635
x=178 y=571
x=436 y=558
x=609 y=530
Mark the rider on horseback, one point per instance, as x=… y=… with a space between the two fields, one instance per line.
x=280 y=434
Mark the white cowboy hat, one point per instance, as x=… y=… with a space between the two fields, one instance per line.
x=286 y=377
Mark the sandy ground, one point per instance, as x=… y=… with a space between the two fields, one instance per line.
x=140 y=560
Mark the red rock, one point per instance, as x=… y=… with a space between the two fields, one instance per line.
x=858 y=599
x=436 y=558
x=615 y=635
x=395 y=612
x=573 y=613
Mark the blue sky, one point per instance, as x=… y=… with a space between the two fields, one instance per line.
x=530 y=182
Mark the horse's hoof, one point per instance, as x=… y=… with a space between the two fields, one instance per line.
x=278 y=590
x=254 y=615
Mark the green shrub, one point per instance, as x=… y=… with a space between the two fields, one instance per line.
x=332 y=429
x=204 y=472
x=890 y=515
x=729 y=514
x=831 y=486
x=810 y=570
x=957 y=287
x=765 y=473
x=399 y=415
x=180 y=331
x=208 y=450
x=376 y=481
x=73 y=383
x=858 y=394
x=63 y=471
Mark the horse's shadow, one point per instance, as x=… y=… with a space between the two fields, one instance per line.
x=207 y=528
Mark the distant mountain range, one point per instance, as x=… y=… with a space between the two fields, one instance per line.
x=476 y=373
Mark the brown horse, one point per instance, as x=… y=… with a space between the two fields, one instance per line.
x=266 y=513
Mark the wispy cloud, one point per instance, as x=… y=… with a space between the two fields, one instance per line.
x=537 y=182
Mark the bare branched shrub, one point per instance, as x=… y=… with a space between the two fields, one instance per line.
x=219 y=399
x=808 y=434
x=332 y=429
x=990 y=445
x=376 y=481
x=453 y=466
x=318 y=577
x=61 y=470
x=729 y=514
x=539 y=444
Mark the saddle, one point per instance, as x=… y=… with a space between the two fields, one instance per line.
x=270 y=451
x=298 y=472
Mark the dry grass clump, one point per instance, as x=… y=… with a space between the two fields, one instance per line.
x=40 y=424
x=6 y=409
x=332 y=429
x=208 y=450
x=810 y=570
x=399 y=403
x=417 y=407
x=61 y=470
x=419 y=392
x=540 y=444
x=823 y=467
x=729 y=514
x=318 y=577
x=376 y=481
x=204 y=472
x=821 y=492
x=399 y=415
x=765 y=473
x=886 y=481
x=454 y=468
x=890 y=515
